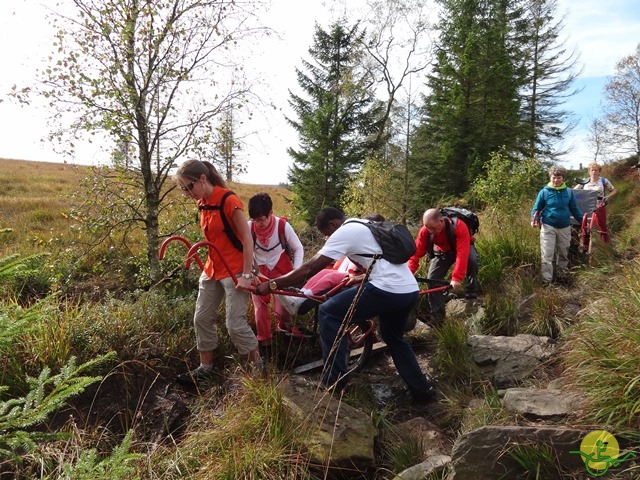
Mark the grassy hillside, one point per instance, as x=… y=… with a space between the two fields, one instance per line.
x=35 y=198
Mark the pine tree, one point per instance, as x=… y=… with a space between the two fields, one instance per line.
x=551 y=71
x=337 y=122
x=473 y=106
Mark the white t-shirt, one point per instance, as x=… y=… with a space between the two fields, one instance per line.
x=270 y=258
x=355 y=238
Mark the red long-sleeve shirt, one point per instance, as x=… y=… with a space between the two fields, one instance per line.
x=441 y=244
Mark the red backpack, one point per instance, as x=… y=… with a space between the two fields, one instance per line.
x=281 y=237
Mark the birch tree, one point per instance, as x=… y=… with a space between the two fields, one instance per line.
x=152 y=76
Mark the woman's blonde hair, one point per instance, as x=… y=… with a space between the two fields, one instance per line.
x=595 y=165
x=194 y=169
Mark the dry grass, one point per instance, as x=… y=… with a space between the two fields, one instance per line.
x=35 y=198
x=34 y=201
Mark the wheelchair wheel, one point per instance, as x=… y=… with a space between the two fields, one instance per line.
x=361 y=340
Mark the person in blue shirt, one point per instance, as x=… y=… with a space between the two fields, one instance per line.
x=552 y=212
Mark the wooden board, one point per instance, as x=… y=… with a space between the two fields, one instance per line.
x=307 y=367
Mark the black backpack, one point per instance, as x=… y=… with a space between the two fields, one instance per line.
x=227 y=226
x=397 y=243
x=453 y=214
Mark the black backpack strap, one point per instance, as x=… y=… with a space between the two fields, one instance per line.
x=366 y=223
x=227 y=229
x=283 y=238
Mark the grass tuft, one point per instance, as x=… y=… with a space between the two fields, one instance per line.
x=603 y=351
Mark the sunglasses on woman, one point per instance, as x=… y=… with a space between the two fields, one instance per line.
x=188 y=187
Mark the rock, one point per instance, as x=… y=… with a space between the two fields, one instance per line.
x=509 y=360
x=426 y=434
x=482 y=454
x=423 y=469
x=341 y=435
x=541 y=404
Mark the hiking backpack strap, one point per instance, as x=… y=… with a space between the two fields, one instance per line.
x=281 y=237
x=228 y=230
x=450 y=225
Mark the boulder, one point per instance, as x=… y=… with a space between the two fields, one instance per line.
x=341 y=436
x=484 y=453
x=509 y=360
x=541 y=404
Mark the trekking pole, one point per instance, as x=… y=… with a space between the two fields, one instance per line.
x=344 y=326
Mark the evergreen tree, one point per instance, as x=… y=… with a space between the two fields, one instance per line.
x=473 y=106
x=551 y=71
x=337 y=123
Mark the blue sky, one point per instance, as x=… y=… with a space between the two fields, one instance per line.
x=601 y=33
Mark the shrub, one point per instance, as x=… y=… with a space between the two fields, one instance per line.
x=508 y=183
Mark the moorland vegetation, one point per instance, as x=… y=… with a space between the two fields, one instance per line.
x=81 y=320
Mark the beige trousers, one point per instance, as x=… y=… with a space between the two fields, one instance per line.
x=210 y=296
x=554 y=242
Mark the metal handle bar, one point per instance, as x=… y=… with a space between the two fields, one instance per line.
x=443 y=285
x=295 y=292
x=163 y=247
x=536 y=218
x=435 y=281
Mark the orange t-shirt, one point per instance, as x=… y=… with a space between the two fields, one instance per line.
x=213 y=230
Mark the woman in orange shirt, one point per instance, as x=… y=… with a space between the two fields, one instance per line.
x=202 y=182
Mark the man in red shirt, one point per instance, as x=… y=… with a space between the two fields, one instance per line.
x=435 y=238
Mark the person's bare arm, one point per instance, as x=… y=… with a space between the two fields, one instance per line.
x=297 y=276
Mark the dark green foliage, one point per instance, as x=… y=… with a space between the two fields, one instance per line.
x=44 y=395
x=550 y=75
x=336 y=121
x=472 y=108
x=497 y=85
x=23 y=277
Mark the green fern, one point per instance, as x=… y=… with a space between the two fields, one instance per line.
x=46 y=394
x=119 y=465
x=14 y=266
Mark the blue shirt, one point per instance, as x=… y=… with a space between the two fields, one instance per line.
x=556 y=206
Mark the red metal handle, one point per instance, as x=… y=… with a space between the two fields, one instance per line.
x=193 y=254
x=536 y=219
x=435 y=290
x=174 y=238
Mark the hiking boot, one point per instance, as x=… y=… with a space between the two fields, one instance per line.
x=196 y=377
x=423 y=396
x=434 y=321
x=258 y=368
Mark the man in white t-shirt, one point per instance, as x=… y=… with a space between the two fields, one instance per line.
x=390 y=294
